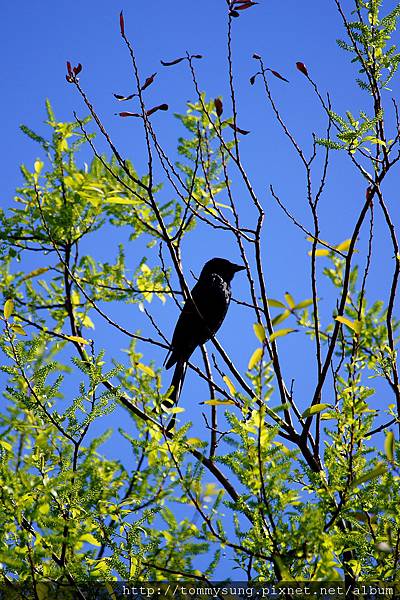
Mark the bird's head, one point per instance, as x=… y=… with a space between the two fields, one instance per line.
x=222 y=267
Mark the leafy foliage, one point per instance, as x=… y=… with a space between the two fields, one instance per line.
x=283 y=493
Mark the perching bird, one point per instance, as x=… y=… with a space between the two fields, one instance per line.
x=200 y=319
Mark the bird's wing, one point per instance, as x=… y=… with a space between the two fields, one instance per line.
x=186 y=333
x=199 y=321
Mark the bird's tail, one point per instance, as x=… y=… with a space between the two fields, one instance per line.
x=176 y=384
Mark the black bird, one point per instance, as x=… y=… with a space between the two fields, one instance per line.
x=200 y=319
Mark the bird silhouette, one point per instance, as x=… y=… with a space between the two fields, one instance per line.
x=200 y=319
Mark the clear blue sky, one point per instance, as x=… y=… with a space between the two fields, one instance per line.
x=37 y=42
x=37 y=39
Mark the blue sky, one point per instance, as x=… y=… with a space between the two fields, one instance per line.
x=37 y=41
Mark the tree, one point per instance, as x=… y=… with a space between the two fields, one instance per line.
x=293 y=493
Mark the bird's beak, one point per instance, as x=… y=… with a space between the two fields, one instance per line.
x=237 y=268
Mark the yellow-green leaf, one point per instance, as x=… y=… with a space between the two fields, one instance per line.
x=194 y=441
x=75 y=298
x=343 y=246
x=320 y=252
x=280 y=333
x=88 y=537
x=35 y=273
x=175 y=410
x=380 y=469
x=93 y=188
x=372 y=139
x=255 y=358
x=304 y=303
x=146 y=369
x=212 y=211
x=18 y=329
x=219 y=402
x=145 y=268
x=117 y=200
x=230 y=385
x=6 y=445
x=354 y=325
x=328 y=416
x=87 y=322
x=94 y=200
x=8 y=309
x=289 y=299
x=259 y=331
x=276 y=303
x=279 y=318
x=224 y=206
x=77 y=338
x=44 y=508
x=282 y=447
x=38 y=166
x=389 y=446
x=315 y=409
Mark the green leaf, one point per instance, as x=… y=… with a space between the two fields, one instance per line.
x=38 y=166
x=255 y=358
x=77 y=338
x=44 y=508
x=35 y=273
x=101 y=567
x=230 y=385
x=18 y=329
x=194 y=442
x=87 y=322
x=315 y=409
x=356 y=325
x=146 y=369
x=219 y=402
x=88 y=537
x=320 y=252
x=8 y=309
x=377 y=471
x=375 y=140
x=117 y=200
x=259 y=331
x=276 y=303
x=290 y=300
x=389 y=446
x=329 y=416
x=304 y=303
x=280 y=333
x=343 y=246
x=279 y=318
x=6 y=445
x=75 y=298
